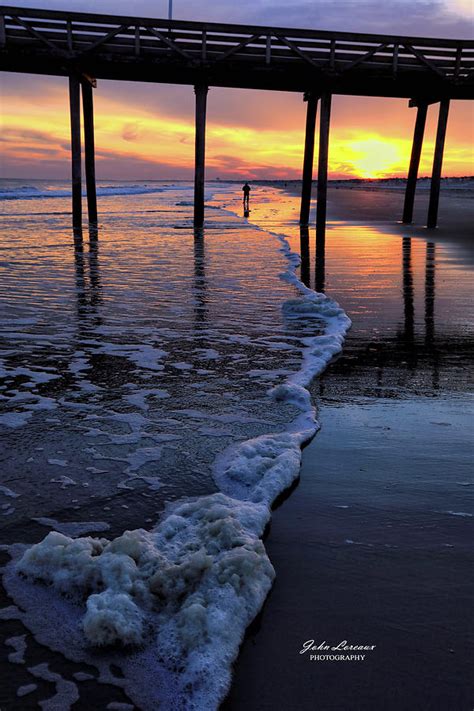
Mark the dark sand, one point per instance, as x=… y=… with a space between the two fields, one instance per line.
x=374 y=544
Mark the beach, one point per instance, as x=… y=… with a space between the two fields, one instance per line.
x=151 y=353
x=373 y=545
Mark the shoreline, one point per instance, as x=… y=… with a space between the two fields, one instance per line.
x=372 y=545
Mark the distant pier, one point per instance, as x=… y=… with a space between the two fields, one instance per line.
x=87 y=47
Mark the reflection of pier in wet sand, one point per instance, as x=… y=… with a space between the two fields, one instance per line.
x=419 y=349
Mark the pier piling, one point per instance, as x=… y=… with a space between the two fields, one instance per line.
x=200 y=153
x=324 y=121
x=308 y=157
x=438 y=163
x=305 y=258
x=75 y=116
x=414 y=163
x=89 y=149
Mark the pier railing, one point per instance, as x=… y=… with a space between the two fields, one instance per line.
x=242 y=55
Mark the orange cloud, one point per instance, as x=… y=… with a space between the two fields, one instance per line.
x=369 y=137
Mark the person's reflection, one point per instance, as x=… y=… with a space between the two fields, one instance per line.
x=320 y=262
x=304 y=249
x=408 y=297
x=200 y=284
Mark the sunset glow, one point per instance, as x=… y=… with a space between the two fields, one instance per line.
x=261 y=139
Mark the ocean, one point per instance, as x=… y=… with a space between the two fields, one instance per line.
x=154 y=405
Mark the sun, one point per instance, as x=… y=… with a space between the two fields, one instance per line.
x=374 y=157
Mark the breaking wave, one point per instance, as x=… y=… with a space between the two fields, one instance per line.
x=33 y=192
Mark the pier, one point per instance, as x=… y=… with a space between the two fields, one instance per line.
x=317 y=64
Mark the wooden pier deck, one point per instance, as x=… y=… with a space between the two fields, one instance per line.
x=86 y=47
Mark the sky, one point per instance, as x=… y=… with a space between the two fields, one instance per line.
x=146 y=131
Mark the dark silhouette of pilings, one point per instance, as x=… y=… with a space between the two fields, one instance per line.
x=324 y=121
x=417 y=146
x=438 y=163
x=200 y=153
x=304 y=249
x=75 y=85
x=308 y=160
x=75 y=118
x=89 y=149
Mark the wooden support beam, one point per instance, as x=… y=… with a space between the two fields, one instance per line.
x=395 y=60
x=137 y=40
x=238 y=47
x=70 y=40
x=200 y=153
x=308 y=158
x=324 y=121
x=427 y=62
x=414 y=163
x=304 y=251
x=320 y=263
x=438 y=163
x=75 y=117
x=365 y=57
x=332 y=55
x=268 y=50
x=89 y=150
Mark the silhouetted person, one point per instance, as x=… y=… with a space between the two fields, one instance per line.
x=246 y=188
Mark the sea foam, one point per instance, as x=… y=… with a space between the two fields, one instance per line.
x=180 y=596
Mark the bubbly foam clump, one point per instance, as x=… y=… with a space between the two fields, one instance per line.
x=260 y=469
x=206 y=556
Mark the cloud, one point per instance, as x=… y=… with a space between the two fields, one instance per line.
x=130 y=131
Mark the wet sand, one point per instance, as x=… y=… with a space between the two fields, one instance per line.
x=385 y=207
x=373 y=546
